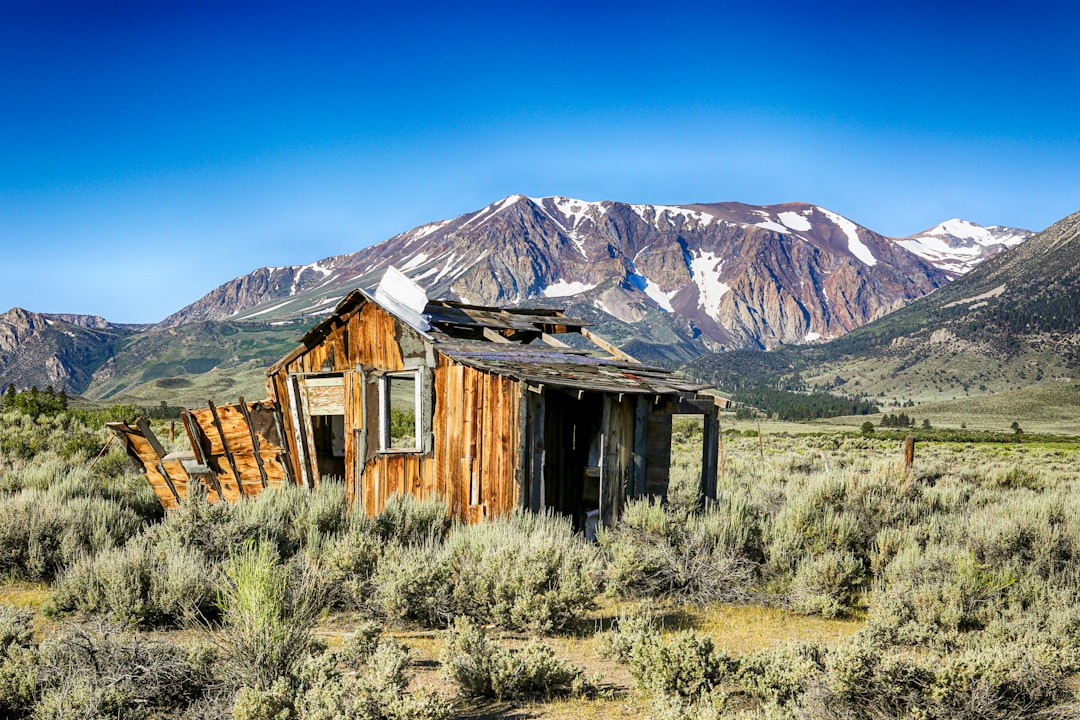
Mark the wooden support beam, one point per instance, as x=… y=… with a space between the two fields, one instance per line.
x=286 y=456
x=553 y=341
x=254 y=442
x=292 y=385
x=144 y=428
x=225 y=448
x=709 y=449
x=494 y=336
x=151 y=439
x=607 y=347
x=607 y=512
x=537 y=420
x=195 y=435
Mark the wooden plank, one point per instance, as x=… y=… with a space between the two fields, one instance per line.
x=521 y=465
x=536 y=425
x=325 y=396
x=495 y=337
x=146 y=458
x=607 y=514
x=553 y=341
x=254 y=442
x=225 y=448
x=606 y=346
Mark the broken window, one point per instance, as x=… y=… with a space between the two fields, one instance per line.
x=399 y=412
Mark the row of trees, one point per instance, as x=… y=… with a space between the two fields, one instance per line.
x=787 y=405
x=33 y=402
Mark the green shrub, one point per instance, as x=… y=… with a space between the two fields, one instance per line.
x=702 y=557
x=934 y=596
x=778 y=676
x=41 y=534
x=143 y=583
x=18 y=662
x=683 y=665
x=480 y=668
x=828 y=584
x=268 y=610
x=408 y=520
x=413 y=583
x=525 y=572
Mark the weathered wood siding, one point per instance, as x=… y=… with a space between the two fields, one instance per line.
x=469 y=455
x=236 y=452
x=241 y=445
x=167 y=477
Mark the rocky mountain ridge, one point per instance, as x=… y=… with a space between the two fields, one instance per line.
x=1009 y=323
x=58 y=350
x=666 y=282
x=741 y=275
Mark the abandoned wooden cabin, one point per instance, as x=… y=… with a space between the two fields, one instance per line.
x=488 y=409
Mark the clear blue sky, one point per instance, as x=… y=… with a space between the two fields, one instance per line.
x=150 y=151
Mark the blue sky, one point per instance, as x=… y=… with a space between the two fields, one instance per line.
x=150 y=151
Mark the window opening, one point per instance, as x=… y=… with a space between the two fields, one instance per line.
x=399 y=396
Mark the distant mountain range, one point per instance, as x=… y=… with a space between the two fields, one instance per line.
x=667 y=282
x=742 y=275
x=1011 y=322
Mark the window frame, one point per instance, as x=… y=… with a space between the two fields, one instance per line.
x=384 y=412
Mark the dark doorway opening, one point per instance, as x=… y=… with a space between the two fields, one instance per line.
x=573 y=461
x=328 y=432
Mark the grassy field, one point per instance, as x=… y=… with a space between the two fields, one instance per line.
x=823 y=580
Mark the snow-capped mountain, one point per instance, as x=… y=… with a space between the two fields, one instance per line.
x=957 y=246
x=695 y=277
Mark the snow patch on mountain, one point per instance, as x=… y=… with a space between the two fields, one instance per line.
x=491 y=210
x=795 y=221
x=770 y=225
x=647 y=286
x=272 y=308
x=653 y=213
x=957 y=246
x=318 y=267
x=705 y=269
x=855 y=245
x=415 y=261
x=563 y=288
x=574 y=213
x=424 y=230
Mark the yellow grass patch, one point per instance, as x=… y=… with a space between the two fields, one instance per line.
x=24 y=594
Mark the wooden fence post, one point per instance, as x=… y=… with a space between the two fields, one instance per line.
x=909 y=452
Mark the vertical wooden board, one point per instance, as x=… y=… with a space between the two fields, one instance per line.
x=288 y=427
x=438 y=424
x=501 y=422
x=460 y=499
x=636 y=487
x=514 y=447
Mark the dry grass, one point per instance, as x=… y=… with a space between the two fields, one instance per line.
x=736 y=629
x=21 y=593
